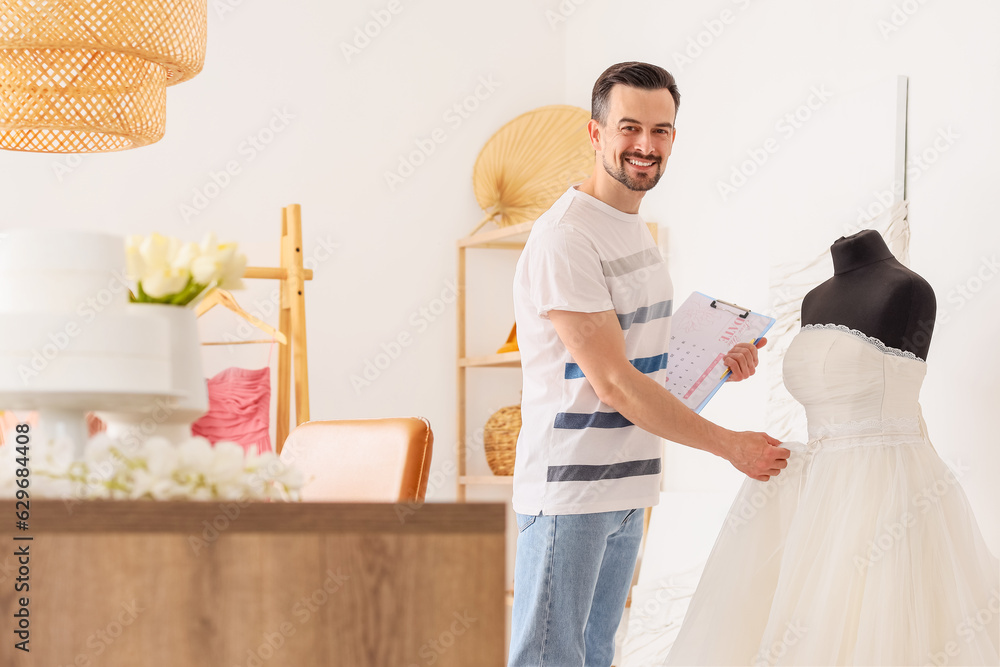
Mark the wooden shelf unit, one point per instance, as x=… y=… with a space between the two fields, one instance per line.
x=506 y=238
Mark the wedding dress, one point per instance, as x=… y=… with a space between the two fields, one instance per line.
x=864 y=550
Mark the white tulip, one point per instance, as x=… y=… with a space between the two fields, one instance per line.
x=186 y=254
x=159 y=283
x=156 y=251
x=135 y=265
x=206 y=269
x=232 y=272
x=208 y=243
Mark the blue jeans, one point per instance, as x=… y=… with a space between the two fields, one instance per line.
x=571 y=579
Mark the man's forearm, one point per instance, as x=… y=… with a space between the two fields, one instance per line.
x=649 y=405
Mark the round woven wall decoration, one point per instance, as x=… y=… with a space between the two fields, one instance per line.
x=91 y=75
x=528 y=164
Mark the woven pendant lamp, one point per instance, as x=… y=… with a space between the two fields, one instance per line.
x=87 y=76
x=525 y=167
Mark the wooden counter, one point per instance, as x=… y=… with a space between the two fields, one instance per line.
x=186 y=584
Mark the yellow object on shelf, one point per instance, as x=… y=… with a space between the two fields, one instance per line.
x=511 y=344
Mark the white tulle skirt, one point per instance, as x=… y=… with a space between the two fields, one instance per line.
x=856 y=554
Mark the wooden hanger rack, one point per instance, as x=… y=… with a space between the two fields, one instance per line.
x=291 y=331
x=221 y=297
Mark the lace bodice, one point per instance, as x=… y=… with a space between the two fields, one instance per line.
x=871 y=340
x=853 y=386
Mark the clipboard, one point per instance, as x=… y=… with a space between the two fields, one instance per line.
x=702 y=331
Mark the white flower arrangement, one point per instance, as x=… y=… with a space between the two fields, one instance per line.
x=154 y=470
x=168 y=270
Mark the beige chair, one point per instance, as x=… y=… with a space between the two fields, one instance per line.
x=362 y=460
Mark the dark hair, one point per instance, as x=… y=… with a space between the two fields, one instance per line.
x=635 y=74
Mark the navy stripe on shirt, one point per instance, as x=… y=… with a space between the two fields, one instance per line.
x=644 y=365
x=593 y=473
x=578 y=420
x=646 y=314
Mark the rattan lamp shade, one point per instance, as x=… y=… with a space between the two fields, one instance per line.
x=530 y=162
x=91 y=75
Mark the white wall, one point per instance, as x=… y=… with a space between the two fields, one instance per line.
x=758 y=62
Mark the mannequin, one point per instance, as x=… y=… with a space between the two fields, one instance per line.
x=871 y=291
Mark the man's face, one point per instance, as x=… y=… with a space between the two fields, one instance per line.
x=638 y=136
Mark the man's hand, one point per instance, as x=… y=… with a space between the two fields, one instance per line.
x=757 y=455
x=742 y=360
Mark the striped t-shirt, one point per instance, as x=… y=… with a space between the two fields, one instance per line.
x=576 y=454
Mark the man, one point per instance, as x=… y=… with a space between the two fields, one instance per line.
x=592 y=301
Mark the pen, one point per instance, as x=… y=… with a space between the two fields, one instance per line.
x=728 y=370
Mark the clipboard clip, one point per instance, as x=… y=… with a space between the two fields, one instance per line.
x=743 y=315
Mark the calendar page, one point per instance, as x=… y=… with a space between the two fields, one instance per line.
x=702 y=331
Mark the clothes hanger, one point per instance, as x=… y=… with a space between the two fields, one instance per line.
x=221 y=297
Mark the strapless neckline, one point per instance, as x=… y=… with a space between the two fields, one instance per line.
x=865 y=338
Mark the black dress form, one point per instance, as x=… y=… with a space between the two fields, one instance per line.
x=872 y=292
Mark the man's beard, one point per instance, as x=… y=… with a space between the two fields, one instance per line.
x=635 y=184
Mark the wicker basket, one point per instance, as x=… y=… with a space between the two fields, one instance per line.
x=500 y=439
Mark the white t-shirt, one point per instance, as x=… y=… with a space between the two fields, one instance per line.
x=576 y=454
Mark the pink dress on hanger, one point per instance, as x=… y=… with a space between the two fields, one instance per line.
x=239 y=408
